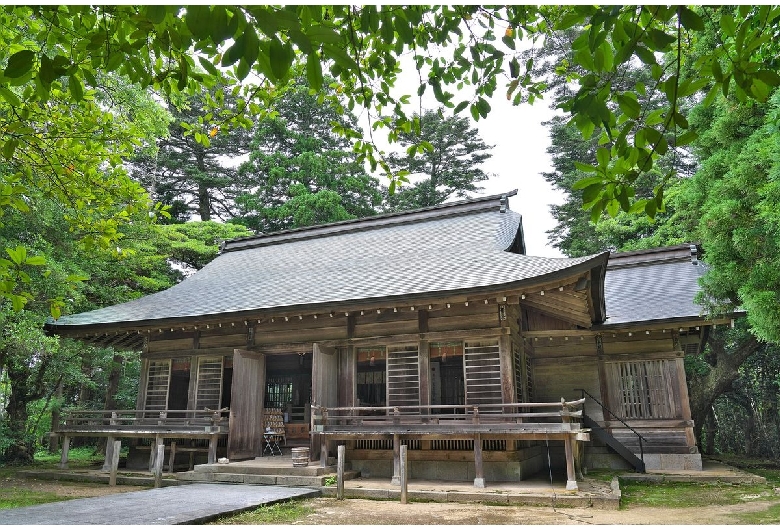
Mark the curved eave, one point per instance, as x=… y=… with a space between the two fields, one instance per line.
x=595 y=265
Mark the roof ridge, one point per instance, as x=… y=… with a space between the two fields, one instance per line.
x=438 y=211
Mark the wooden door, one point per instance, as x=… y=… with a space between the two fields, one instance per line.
x=324 y=386
x=246 y=405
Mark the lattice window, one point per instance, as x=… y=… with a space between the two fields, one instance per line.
x=644 y=388
x=403 y=376
x=483 y=374
x=278 y=391
x=208 y=393
x=529 y=378
x=157 y=381
x=517 y=357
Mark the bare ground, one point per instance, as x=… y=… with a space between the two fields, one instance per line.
x=328 y=511
x=359 y=511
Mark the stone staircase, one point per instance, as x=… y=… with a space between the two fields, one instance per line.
x=276 y=470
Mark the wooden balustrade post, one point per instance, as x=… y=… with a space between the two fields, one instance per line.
x=396 y=480
x=172 y=457
x=109 y=454
x=116 y=447
x=324 y=440
x=212 y=449
x=65 y=449
x=159 y=450
x=404 y=476
x=571 y=479
x=340 y=473
x=479 y=475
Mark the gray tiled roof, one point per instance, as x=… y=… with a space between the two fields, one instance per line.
x=653 y=291
x=445 y=250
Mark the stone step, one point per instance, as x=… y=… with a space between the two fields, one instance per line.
x=248 y=468
x=264 y=479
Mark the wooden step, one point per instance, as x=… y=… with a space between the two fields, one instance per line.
x=265 y=479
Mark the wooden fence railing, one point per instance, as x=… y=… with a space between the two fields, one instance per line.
x=96 y=421
x=434 y=418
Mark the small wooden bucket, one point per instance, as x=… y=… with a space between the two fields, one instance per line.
x=300 y=456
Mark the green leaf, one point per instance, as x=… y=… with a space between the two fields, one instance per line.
x=9 y=147
x=585 y=168
x=19 y=64
x=235 y=52
x=340 y=57
x=17 y=301
x=208 y=66
x=218 y=24
x=10 y=97
x=35 y=261
x=251 y=45
x=727 y=25
x=155 y=13
x=314 y=71
x=76 y=88
x=281 y=56
x=690 y=20
x=198 y=20
x=613 y=207
x=602 y=155
x=769 y=77
x=323 y=34
x=629 y=105
x=18 y=255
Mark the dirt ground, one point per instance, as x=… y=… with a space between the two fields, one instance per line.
x=329 y=511
x=64 y=489
x=358 y=511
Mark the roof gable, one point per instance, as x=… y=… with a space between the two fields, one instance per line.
x=466 y=247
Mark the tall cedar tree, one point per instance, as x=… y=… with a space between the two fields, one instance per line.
x=193 y=179
x=449 y=167
x=300 y=171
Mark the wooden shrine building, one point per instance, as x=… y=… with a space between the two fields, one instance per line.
x=431 y=328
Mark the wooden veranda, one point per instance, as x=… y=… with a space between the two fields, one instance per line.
x=151 y=424
x=506 y=421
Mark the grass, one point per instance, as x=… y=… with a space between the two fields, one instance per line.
x=769 y=516
x=691 y=494
x=280 y=513
x=18 y=497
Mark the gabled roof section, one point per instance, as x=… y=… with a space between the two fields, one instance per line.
x=508 y=230
x=655 y=285
x=472 y=246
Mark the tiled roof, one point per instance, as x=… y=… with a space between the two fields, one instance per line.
x=450 y=249
x=653 y=285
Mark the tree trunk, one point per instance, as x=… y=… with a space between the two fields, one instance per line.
x=22 y=447
x=113 y=386
x=55 y=418
x=712 y=429
x=725 y=361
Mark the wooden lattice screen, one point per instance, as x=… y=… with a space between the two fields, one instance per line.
x=643 y=388
x=519 y=380
x=157 y=382
x=209 y=387
x=483 y=374
x=403 y=376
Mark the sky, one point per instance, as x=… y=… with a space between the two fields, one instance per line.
x=519 y=159
x=519 y=156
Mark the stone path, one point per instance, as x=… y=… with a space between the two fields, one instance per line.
x=188 y=504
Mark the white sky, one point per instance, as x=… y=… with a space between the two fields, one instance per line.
x=519 y=156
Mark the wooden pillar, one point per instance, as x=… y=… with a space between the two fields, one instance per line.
x=479 y=473
x=340 y=473
x=172 y=457
x=404 y=476
x=507 y=373
x=65 y=449
x=109 y=454
x=685 y=404
x=212 y=449
x=116 y=447
x=396 y=480
x=424 y=369
x=159 y=456
x=571 y=479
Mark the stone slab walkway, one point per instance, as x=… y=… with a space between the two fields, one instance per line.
x=190 y=504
